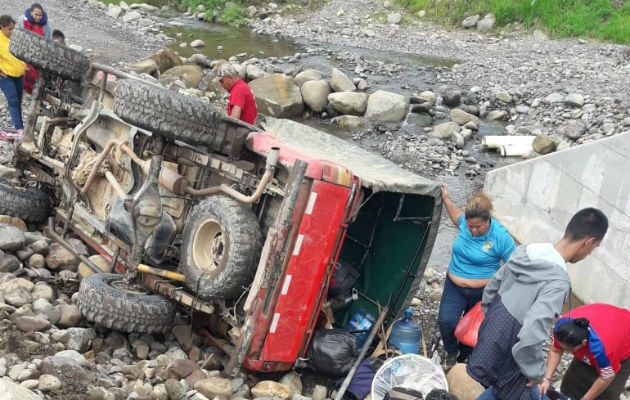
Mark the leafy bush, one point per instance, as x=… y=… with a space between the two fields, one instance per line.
x=233 y=16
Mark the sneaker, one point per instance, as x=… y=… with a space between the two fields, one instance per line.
x=451 y=360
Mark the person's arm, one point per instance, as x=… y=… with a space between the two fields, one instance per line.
x=236 y=112
x=597 y=388
x=453 y=211
x=527 y=351
x=491 y=289
x=553 y=359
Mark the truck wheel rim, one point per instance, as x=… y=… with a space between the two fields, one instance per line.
x=209 y=245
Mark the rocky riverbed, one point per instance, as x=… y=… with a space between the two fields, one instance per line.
x=512 y=82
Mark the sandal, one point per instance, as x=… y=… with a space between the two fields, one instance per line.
x=9 y=136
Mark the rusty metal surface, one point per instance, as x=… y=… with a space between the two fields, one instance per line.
x=176 y=293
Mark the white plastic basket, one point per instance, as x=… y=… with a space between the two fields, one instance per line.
x=410 y=371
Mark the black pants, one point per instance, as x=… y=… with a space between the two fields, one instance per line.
x=580 y=377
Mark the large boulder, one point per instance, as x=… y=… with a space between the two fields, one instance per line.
x=13 y=391
x=131 y=16
x=11 y=238
x=462 y=117
x=349 y=102
x=307 y=75
x=253 y=72
x=147 y=66
x=461 y=385
x=340 y=82
x=70 y=372
x=315 y=94
x=349 y=122
x=214 y=386
x=445 y=130
x=166 y=60
x=386 y=106
x=190 y=74
x=277 y=95
x=32 y=324
x=543 y=144
x=486 y=24
x=17 y=222
x=272 y=389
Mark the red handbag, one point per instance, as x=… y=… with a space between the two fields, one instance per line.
x=467 y=328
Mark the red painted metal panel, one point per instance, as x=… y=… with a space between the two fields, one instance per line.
x=301 y=286
x=262 y=142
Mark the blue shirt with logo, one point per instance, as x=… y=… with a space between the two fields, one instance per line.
x=478 y=257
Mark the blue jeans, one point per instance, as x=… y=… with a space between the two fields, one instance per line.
x=455 y=302
x=13 y=89
x=531 y=394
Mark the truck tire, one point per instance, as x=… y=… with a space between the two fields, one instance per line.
x=167 y=113
x=27 y=203
x=108 y=301
x=48 y=55
x=220 y=248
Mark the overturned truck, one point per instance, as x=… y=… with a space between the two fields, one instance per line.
x=240 y=227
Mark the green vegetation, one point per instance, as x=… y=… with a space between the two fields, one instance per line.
x=232 y=14
x=607 y=20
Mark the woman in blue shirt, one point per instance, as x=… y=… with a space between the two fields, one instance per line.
x=481 y=244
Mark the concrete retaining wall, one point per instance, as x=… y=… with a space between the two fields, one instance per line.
x=536 y=198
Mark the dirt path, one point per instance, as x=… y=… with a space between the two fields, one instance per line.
x=84 y=24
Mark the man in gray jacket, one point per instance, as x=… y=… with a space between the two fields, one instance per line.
x=520 y=304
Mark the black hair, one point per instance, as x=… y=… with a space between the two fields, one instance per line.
x=35 y=6
x=479 y=206
x=6 y=20
x=58 y=33
x=588 y=222
x=573 y=332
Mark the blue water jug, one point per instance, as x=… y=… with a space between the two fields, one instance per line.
x=360 y=321
x=405 y=334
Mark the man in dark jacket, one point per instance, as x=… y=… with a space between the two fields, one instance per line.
x=520 y=303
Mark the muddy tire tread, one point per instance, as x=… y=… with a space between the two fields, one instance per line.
x=245 y=243
x=167 y=113
x=28 y=204
x=113 y=308
x=48 y=55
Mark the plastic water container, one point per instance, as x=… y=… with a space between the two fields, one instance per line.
x=361 y=321
x=405 y=335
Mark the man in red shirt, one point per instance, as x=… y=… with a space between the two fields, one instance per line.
x=241 y=103
x=598 y=335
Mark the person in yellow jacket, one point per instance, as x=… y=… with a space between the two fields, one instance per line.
x=11 y=77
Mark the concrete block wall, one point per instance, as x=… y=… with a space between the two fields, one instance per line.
x=535 y=199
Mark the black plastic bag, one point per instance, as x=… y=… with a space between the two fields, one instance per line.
x=440 y=394
x=332 y=352
x=343 y=278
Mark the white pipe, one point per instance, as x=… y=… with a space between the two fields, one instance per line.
x=495 y=142
x=515 y=150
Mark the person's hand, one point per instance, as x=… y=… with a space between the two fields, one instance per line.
x=2 y=76
x=444 y=191
x=544 y=386
x=532 y=383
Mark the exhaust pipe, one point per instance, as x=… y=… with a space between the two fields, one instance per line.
x=270 y=167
